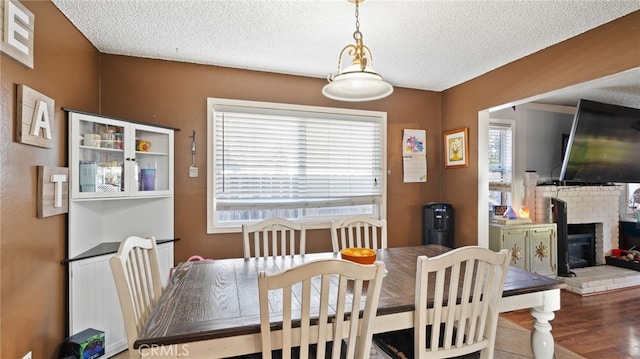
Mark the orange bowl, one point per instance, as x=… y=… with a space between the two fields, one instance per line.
x=359 y=255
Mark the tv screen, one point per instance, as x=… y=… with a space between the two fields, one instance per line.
x=604 y=145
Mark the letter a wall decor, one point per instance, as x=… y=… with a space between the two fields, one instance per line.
x=34 y=118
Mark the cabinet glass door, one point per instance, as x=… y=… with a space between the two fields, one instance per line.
x=153 y=154
x=98 y=155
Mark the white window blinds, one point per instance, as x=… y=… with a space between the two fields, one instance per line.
x=500 y=154
x=294 y=163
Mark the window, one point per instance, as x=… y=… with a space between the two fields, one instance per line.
x=297 y=162
x=500 y=162
x=633 y=197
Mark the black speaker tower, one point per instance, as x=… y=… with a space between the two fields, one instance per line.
x=559 y=210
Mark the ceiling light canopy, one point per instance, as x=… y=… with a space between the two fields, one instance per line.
x=357 y=82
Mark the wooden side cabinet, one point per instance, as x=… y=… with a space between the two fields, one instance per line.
x=533 y=246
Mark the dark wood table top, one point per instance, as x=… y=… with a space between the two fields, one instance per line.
x=219 y=298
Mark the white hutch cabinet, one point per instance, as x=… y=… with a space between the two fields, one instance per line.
x=121 y=184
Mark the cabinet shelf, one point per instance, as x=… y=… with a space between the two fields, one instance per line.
x=104 y=149
x=109 y=199
x=151 y=153
x=107 y=248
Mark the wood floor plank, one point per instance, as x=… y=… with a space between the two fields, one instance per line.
x=597 y=326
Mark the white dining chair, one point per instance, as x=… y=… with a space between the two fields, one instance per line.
x=358 y=231
x=307 y=311
x=273 y=237
x=465 y=285
x=136 y=272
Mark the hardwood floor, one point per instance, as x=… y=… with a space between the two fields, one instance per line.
x=599 y=326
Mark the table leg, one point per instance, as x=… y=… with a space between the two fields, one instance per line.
x=542 y=343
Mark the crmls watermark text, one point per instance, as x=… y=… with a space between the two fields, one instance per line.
x=181 y=350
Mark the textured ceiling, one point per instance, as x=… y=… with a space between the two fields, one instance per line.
x=428 y=45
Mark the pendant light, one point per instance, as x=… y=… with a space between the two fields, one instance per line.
x=357 y=82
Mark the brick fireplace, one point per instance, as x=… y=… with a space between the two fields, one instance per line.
x=597 y=205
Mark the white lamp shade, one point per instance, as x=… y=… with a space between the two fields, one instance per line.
x=353 y=85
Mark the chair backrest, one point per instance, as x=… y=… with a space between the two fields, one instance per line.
x=273 y=237
x=463 y=317
x=136 y=272
x=315 y=296
x=358 y=231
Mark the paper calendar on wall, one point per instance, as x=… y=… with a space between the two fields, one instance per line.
x=414 y=156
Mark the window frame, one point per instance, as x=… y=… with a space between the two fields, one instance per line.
x=627 y=212
x=506 y=190
x=212 y=103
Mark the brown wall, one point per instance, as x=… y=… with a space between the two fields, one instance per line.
x=175 y=94
x=67 y=68
x=33 y=293
x=608 y=49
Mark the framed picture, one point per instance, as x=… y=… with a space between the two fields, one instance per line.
x=456 y=148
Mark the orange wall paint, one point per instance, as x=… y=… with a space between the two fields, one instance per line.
x=175 y=94
x=69 y=69
x=33 y=292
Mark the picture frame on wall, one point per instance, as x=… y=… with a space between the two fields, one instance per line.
x=456 y=148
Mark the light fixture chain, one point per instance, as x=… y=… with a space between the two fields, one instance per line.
x=357 y=20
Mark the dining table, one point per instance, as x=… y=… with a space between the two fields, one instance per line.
x=211 y=308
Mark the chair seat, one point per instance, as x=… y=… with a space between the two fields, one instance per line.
x=295 y=352
x=399 y=344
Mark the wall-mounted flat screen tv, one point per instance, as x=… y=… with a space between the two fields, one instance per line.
x=604 y=145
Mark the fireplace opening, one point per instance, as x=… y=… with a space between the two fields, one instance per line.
x=581 y=240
